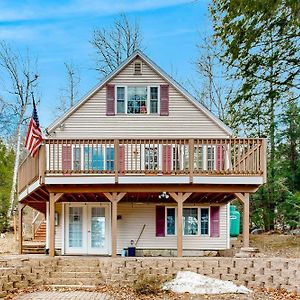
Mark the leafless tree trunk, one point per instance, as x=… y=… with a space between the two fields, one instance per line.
x=115 y=44
x=21 y=80
x=69 y=94
x=215 y=90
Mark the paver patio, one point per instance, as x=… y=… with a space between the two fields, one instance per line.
x=58 y=295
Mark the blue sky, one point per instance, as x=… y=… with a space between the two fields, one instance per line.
x=58 y=31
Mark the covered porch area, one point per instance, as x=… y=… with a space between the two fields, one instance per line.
x=178 y=217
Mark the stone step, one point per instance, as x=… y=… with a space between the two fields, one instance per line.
x=73 y=281
x=69 y=286
x=34 y=248
x=89 y=274
x=78 y=262
x=77 y=269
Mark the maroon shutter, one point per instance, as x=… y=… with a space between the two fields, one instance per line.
x=121 y=159
x=214 y=221
x=167 y=158
x=160 y=221
x=110 y=99
x=164 y=100
x=66 y=158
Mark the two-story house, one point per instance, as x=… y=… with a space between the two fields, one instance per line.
x=139 y=161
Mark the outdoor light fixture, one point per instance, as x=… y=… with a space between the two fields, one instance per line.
x=163 y=196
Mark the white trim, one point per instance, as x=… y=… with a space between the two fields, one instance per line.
x=164 y=75
x=29 y=189
x=159 y=179
x=86 y=238
x=228 y=226
x=153 y=179
x=62 y=228
x=228 y=179
x=166 y=229
x=80 y=179
x=47 y=225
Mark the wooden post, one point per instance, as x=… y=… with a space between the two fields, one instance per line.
x=53 y=199
x=191 y=159
x=179 y=198
x=20 y=233
x=114 y=198
x=42 y=163
x=263 y=158
x=179 y=228
x=116 y=160
x=246 y=221
x=244 y=199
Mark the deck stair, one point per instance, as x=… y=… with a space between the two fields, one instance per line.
x=33 y=248
x=40 y=233
x=75 y=273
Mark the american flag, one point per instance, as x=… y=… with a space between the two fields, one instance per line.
x=34 y=136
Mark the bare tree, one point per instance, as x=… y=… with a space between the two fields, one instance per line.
x=215 y=88
x=115 y=44
x=69 y=93
x=21 y=84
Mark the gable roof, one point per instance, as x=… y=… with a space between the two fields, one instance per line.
x=158 y=70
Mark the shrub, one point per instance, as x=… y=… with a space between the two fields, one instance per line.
x=149 y=284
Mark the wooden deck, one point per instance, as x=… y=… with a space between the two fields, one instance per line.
x=152 y=157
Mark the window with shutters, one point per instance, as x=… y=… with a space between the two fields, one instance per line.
x=196 y=221
x=137 y=100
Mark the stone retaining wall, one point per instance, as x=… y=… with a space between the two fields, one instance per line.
x=20 y=272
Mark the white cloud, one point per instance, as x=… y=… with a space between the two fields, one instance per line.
x=33 y=10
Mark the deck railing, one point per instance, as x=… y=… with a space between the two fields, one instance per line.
x=121 y=157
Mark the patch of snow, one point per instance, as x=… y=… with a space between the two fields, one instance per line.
x=193 y=283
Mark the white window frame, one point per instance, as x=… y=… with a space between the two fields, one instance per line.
x=148 y=98
x=166 y=229
x=199 y=221
x=204 y=207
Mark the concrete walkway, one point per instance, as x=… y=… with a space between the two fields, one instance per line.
x=56 y=295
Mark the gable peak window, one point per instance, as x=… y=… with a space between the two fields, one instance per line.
x=137 y=67
x=137 y=99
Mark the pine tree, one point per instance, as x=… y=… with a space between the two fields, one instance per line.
x=260 y=43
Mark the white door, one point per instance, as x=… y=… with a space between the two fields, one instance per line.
x=87 y=228
x=98 y=229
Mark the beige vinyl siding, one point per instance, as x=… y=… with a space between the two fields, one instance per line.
x=185 y=119
x=134 y=216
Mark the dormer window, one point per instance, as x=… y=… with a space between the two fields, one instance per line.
x=137 y=67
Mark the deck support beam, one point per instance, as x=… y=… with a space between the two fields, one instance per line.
x=179 y=198
x=114 y=198
x=52 y=200
x=20 y=226
x=244 y=199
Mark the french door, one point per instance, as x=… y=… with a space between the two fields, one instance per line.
x=87 y=228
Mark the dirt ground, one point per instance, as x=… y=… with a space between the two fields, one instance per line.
x=269 y=245
x=276 y=245
x=8 y=244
